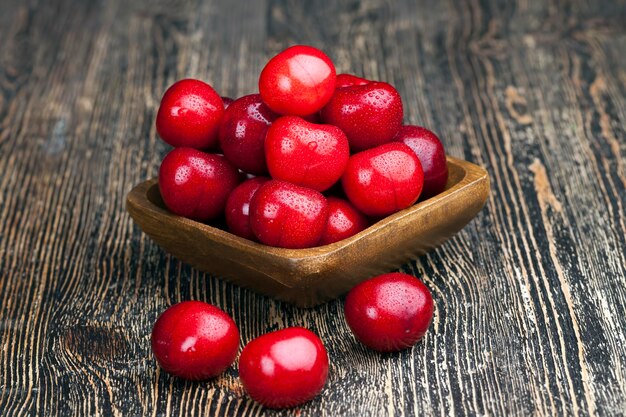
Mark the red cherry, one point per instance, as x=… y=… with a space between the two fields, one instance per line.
x=284 y=368
x=287 y=215
x=190 y=114
x=389 y=312
x=383 y=180
x=431 y=154
x=242 y=133
x=306 y=154
x=348 y=80
x=370 y=115
x=195 y=184
x=300 y=81
x=238 y=207
x=195 y=340
x=344 y=220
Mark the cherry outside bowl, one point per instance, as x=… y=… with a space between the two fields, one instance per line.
x=307 y=277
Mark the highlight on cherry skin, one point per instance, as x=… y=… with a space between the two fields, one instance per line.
x=383 y=180
x=389 y=312
x=287 y=215
x=284 y=368
x=369 y=114
x=242 y=133
x=299 y=81
x=306 y=154
x=195 y=340
x=431 y=154
x=195 y=184
x=348 y=80
x=190 y=114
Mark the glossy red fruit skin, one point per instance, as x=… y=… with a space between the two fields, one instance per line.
x=238 y=207
x=370 y=114
x=195 y=184
x=189 y=115
x=389 y=312
x=299 y=80
x=284 y=368
x=344 y=220
x=242 y=133
x=348 y=80
x=306 y=154
x=286 y=215
x=195 y=340
x=431 y=154
x=383 y=180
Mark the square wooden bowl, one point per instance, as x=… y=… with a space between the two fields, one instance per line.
x=307 y=277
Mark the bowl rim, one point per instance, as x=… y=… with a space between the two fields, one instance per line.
x=138 y=197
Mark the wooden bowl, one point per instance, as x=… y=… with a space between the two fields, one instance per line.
x=307 y=277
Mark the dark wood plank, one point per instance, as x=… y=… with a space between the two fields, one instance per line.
x=530 y=297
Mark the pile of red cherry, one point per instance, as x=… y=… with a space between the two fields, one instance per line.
x=308 y=130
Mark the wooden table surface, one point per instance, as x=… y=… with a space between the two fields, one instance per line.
x=530 y=297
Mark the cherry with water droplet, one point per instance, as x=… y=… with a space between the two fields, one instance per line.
x=389 y=312
x=431 y=154
x=242 y=133
x=190 y=114
x=383 y=180
x=287 y=215
x=306 y=154
x=299 y=80
x=369 y=114
x=195 y=340
x=195 y=184
x=344 y=220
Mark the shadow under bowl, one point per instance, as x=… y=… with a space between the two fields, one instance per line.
x=307 y=277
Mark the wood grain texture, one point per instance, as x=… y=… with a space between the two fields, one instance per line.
x=530 y=297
